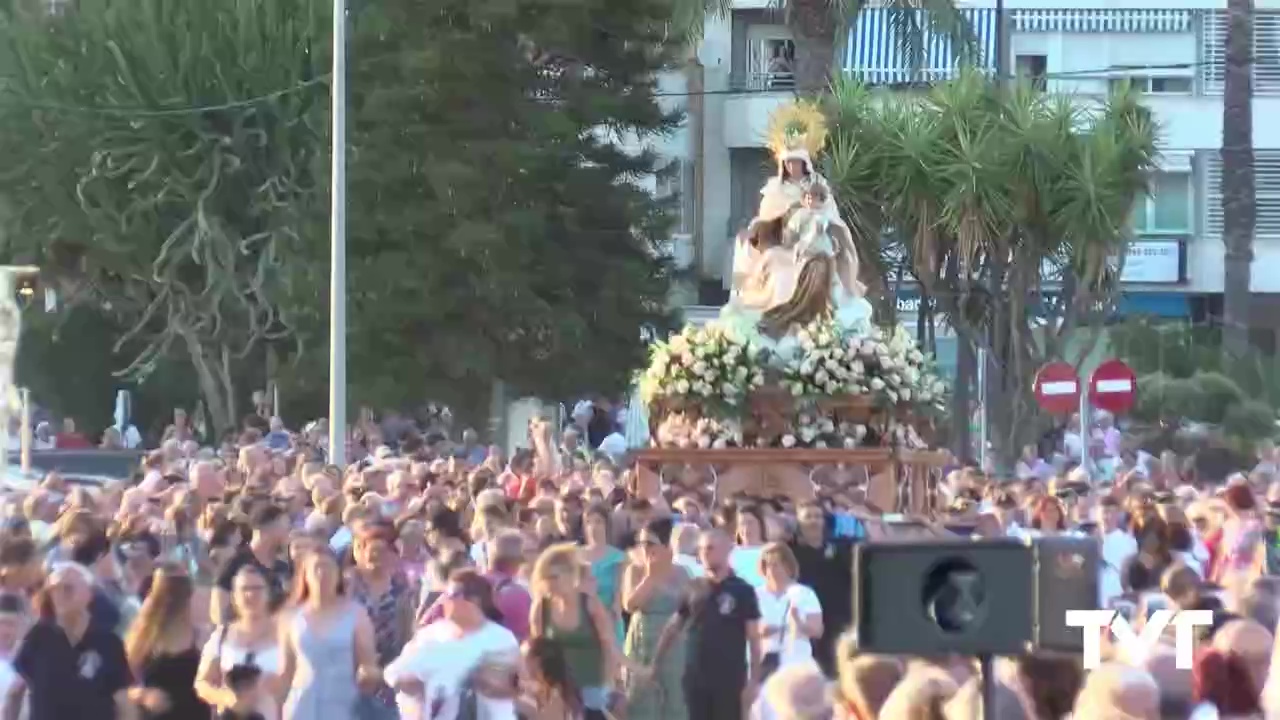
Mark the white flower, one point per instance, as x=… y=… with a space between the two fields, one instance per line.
x=729 y=389
x=850 y=443
x=893 y=396
x=699 y=368
x=720 y=444
x=806 y=367
x=925 y=396
x=824 y=338
x=859 y=432
x=831 y=366
x=788 y=441
x=827 y=425
x=704 y=441
x=905 y=394
x=758 y=379
x=682 y=387
x=808 y=433
x=821 y=444
x=877 y=384
x=917 y=356
x=740 y=373
x=821 y=377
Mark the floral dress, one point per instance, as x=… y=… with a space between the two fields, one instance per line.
x=384 y=612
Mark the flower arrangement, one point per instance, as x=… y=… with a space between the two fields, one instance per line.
x=706 y=363
x=682 y=431
x=897 y=371
x=825 y=431
x=823 y=361
x=826 y=361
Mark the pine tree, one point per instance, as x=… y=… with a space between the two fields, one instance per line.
x=497 y=228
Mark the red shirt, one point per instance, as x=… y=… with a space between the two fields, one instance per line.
x=71 y=441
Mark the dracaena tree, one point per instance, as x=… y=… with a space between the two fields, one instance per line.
x=978 y=190
x=176 y=222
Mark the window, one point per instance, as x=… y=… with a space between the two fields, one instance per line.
x=1032 y=68
x=1155 y=85
x=1266 y=51
x=1166 y=209
x=1266 y=174
x=776 y=66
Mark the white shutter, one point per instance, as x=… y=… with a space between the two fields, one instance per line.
x=1266 y=44
x=1266 y=170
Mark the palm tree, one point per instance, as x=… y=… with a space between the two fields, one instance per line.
x=1239 y=194
x=974 y=180
x=817 y=26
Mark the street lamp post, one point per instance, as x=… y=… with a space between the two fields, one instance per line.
x=338 y=243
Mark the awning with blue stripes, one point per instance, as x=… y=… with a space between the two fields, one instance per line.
x=876 y=55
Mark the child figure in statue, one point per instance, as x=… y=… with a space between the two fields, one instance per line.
x=808 y=230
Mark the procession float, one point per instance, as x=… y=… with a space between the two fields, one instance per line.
x=794 y=385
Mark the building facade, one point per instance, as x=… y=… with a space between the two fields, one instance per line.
x=1172 y=51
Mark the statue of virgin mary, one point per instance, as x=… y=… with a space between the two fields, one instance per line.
x=774 y=284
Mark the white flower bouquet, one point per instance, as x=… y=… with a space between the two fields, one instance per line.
x=896 y=371
x=826 y=362
x=819 y=430
x=704 y=364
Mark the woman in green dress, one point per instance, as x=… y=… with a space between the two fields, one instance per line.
x=651 y=592
x=606 y=561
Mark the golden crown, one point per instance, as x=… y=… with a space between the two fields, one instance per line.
x=798 y=125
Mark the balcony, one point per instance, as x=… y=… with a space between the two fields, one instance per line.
x=766 y=82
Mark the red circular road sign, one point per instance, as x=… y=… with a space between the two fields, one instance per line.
x=1113 y=387
x=1057 y=388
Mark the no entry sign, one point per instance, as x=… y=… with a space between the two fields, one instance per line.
x=1057 y=388
x=1113 y=387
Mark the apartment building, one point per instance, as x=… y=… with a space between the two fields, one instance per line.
x=1173 y=51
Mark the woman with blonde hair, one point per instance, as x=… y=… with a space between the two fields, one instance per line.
x=577 y=621
x=790 y=613
x=163 y=650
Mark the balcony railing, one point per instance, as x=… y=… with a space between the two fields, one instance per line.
x=762 y=81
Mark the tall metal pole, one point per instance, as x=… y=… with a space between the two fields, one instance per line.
x=982 y=408
x=24 y=457
x=338 y=243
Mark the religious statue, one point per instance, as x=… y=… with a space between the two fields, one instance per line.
x=796 y=261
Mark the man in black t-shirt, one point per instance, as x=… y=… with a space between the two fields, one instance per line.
x=722 y=616
x=826 y=565
x=264 y=551
x=70 y=667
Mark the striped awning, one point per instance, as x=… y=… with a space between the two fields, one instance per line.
x=876 y=55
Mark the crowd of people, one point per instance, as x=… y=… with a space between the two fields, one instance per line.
x=440 y=579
